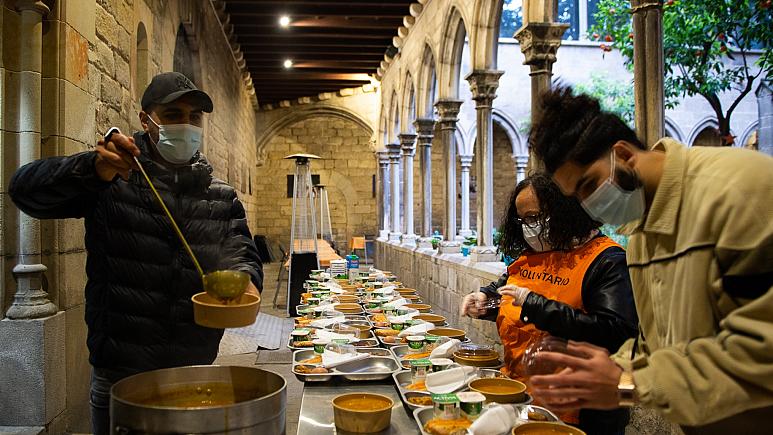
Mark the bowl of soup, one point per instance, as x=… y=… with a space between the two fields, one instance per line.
x=500 y=390
x=546 y=428
x=423 y=308
x=406 y=291
x=436 y=319
x=348 y=299
x=348 y=308
x=212 y=313
x=447 y=332
x=362 y=412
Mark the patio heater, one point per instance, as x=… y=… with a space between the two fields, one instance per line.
x=303 y=232
x=325 y=226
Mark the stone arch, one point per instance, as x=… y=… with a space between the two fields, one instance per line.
x=519 y=145
x=426 y=87
x=673 y=130
x=747 y=133
x=394 y=118
x=408 y=104
x=484 y=43
x=300 y=114
x=703 y=128
x=141 y=70
x=452 y=47
x=186 y=56
x=383 y=131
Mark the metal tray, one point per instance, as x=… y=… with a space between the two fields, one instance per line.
x=399 y=351
x=300 y=355
x=424 y=414
x=369 y=342
x=372 y=369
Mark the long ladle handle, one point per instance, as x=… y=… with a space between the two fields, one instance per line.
x=108 y=135
x=171 y=219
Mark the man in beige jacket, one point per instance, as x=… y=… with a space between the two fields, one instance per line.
x=700 y=256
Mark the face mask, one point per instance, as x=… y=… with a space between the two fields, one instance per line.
x=611 y=204
x=177 y=143
x=531 y=233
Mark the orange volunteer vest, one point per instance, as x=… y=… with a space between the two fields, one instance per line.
x=557 y=275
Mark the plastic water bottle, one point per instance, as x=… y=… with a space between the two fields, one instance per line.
x=352 y=267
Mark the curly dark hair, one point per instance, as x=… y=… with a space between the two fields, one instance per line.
x=568 y=221
x=574 y=128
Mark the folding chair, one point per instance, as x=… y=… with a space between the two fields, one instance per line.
x=282 y=270
x=359 y=243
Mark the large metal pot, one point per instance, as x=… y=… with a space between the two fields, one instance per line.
x=199 y=400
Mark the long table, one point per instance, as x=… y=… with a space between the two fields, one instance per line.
x=317 y=407
x=325 y=252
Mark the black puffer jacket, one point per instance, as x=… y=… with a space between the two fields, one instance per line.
x=140 y=278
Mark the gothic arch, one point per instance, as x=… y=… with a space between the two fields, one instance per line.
x=707 y=122
x=300 y=114
x=451 y=49
x=427 y=83
x=394 y=118
x=748 y=131
x=484 y=43
x=673 y=130
x=519 y=145
x=408 y=104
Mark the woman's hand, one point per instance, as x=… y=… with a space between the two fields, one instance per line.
x=518 y=294
x=472 y=303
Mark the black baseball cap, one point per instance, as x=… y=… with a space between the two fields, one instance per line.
x=170 y=86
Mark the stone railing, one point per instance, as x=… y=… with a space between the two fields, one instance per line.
x=442 y=280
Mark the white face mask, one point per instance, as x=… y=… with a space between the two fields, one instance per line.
x=611 y=204
x=178 y=143
x=531 y=233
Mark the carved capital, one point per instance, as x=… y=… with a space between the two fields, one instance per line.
x=449 y=112
x=520 y=160
x=483 y=85
x=383 y=158
x=407 y=143
x=539 y=43
x=425 y=129
x=465 y=162
x=394 y=152
x=33 y=5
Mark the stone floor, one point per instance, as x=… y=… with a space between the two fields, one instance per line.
x=277 y=361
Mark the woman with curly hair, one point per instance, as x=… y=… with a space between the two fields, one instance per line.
x=568 y=281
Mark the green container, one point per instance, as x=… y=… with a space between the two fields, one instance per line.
x=397 y=326
x=446 y=406
x=420 y=368
x=471 y=404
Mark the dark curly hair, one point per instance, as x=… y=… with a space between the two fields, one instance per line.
x=568 y=221
x=574 y=128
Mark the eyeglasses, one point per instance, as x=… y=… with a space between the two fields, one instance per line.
x=529 y=220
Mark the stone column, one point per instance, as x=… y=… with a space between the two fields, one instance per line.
x=408 y=145
x=394 y=169
x=539 y=43
x=425 y=129
x=521 y=162
x=448 y=110
x=466 y=162
x=483 y=84
x=32 y=346
x=648 y=73
x=765 y=114
x=383 y=194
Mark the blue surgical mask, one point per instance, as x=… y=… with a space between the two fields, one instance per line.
x=177 y=143
x=611 y=204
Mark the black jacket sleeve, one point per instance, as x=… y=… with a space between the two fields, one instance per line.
x=57 y=187
x=491 y=292
x=239 y=251
x=609 y=315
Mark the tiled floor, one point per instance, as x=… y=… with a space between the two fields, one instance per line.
x=276 y=361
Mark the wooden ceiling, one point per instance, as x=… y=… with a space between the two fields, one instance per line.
x=332 y=44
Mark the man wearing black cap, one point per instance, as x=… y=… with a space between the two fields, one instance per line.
x=140 y=279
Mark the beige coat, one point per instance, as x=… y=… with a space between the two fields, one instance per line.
x=702 y=274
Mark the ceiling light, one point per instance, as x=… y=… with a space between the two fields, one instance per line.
x=288 y=63
x=284 y=21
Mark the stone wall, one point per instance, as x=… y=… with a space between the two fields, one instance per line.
x=347 y=167
x=98 y=55
x=442 y=281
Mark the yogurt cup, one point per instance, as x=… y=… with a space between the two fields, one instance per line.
x=319 y=345
x=446 y=406
x=471 y=404
x=313 y=301
x=300 y=335
x=440 y=364
x=419 y=369
x=416 y=343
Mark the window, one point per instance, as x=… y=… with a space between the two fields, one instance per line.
x=577 y=13
x=186 y=57
x=141 y=64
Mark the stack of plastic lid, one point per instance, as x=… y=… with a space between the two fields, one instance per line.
x=337 y=267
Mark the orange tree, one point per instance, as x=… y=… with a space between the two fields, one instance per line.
x=708 y=48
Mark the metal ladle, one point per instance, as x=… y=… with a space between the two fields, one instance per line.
x=223 y=285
